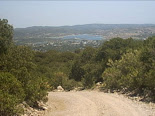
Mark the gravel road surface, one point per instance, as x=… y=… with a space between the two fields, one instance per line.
x=94 y=103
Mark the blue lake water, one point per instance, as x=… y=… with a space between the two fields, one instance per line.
x=84 y=37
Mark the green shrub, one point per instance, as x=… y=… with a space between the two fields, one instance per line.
x=11 y=94
x=124 y=73
x=6 y=35
x=76 y=72
x=111 y=77
x=93 y=72
x=36 y=90
x=59 y=78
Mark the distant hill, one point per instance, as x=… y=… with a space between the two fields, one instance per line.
x=69 y=38
x=99 y=29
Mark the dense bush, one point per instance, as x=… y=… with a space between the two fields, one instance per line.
x=61 y=79
x=115 y=48
x=92 y=74
x=124 y=73
x=36 y=90
x=134 y=71
x=19 y=79
x=11 y=94
x=77 y=72
x=6 y=35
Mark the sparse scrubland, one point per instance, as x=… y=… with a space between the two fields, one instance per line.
x=27 y=75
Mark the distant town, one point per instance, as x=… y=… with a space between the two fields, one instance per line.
x=70 y=38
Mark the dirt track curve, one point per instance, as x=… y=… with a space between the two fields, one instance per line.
x=93 y=103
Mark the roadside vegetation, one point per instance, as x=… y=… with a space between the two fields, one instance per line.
x=27 y=75
x=19 y=77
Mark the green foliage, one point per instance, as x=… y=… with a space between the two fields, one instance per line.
x=111 y=77
x=11 y=94
x=77 y=72
x=6 y=34
x=59 y=78
x=19 y=61
x=124 y=73
x=19 y=79
x=111 y=49
x=147 y=57
x=134 y=71
x=92 y=74
x=87 y=55
x=36 y=90
x=150 y=80
x=16 y=58
x=115 y=48
x=150 y=42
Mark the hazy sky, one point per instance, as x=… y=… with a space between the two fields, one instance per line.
x=57 y=13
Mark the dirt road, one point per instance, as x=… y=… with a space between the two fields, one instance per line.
x=93 y=103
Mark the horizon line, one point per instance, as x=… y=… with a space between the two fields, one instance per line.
x=88 y=24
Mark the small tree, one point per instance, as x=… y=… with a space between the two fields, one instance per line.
x=6 y=35
x=125 y=72
x=77 y=72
